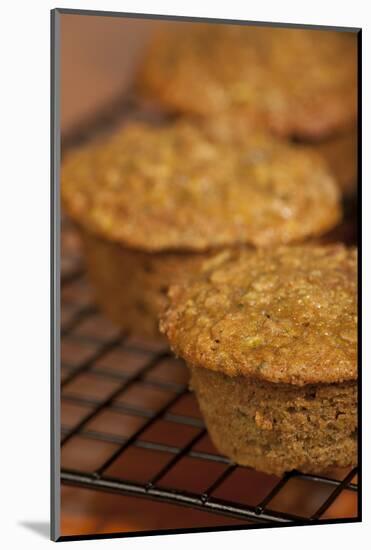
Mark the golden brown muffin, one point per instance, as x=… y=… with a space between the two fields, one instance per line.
x=131 y=285
x=174 y=188
x=338 y=151
x=271 y=339
x=296 y=82
x=152 y=200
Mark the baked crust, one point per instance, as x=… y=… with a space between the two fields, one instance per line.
x=338 y=151
x=131 y=285
x=286 y=315
x=177 y=187
x=296 y=82
x=276 y=428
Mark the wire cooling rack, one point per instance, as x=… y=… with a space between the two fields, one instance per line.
x=131 y=426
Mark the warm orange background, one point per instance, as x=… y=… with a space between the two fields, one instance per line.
x=98 y=59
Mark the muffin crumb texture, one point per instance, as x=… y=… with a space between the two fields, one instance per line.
x=177 y=188
x=286 y=315
x=295 y=82
x=276 y=428
x=131 y=285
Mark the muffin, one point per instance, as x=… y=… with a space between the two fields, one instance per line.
x=270 y=337
x=153 y=202
x=339 y=151
x=295 y=82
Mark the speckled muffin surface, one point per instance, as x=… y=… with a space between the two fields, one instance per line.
x=296 y=82
x=175 y=187
x=276 y=428
x=287 y=315
x=131 y=285
x=338 y=151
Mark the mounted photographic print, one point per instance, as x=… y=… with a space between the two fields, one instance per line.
x=205 y=344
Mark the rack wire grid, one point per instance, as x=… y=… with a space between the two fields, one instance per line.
x=131 y=426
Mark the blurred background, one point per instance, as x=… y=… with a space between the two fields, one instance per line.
x=98 y=59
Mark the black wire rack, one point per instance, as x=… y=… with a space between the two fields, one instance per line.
x=131 y=426
x=130 y=400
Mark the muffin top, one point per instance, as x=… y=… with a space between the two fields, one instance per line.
x=294 y=81
x=286 y=315
x=175 y=187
